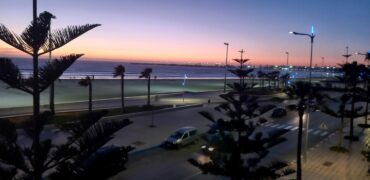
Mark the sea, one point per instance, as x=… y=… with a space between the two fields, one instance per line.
x=104 y=70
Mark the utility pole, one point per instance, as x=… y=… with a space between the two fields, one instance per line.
x=287 y=59
x=322 y=61
x=227 y=53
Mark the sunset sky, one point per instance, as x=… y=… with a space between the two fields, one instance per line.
x=178 y=31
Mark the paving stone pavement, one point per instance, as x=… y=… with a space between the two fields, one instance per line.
x=323 y=164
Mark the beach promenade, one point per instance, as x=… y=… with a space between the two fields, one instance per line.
x=160 y=163
x=111 y=103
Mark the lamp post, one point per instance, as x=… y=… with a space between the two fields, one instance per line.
x=183 y=86
x=287 y=59
x=227 y=53
x=323 y=61
x=312 y=37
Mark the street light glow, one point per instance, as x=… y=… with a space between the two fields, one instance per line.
x=312 y=30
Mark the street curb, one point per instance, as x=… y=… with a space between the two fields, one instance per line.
x=150 y=112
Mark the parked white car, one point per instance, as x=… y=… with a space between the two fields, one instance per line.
x=182 y=137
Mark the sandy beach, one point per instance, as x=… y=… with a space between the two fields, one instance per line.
x=69 y=91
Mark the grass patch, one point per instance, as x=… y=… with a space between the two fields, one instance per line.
x=65 y=117
x=339 y=149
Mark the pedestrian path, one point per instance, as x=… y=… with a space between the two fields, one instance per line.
x=294 y=127
x=324 y=164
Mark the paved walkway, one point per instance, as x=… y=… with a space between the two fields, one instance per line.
x=323 y=164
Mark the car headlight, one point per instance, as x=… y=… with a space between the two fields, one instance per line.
x=211 y=149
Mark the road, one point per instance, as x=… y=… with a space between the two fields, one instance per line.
x=158 y=163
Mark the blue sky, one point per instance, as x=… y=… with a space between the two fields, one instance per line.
x=194 y=30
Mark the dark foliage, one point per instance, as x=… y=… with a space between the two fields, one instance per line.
x=238 y=148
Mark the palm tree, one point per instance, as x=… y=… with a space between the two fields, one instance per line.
x=306 y=94
x=86 y=82
x=34 y=42
x=120 y=71
x=146 y=73
x=301 y=90
x=78 y=158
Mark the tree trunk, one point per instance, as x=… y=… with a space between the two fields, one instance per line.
x=367 y=103
x=148 y=100
x=341 y=131
x=252 y=82
x=51 y=99
x=352 y=117
x=122 y=93
x=299 y=145
x=36 y=114
x=90 y=97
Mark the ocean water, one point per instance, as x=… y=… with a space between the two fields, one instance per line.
x=104 y=70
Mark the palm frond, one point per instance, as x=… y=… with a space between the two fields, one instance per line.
x=54 y=69
x=99 y=134
x=61 y=37
x=36 y=34
x=11 y=75
x=207 y=115
x=146 y=73
x=84 y=122
x=119 y=71
x=8 y=132
x=14 y=40
x=11 y=154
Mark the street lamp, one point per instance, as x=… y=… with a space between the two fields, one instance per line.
x=287 y=59
x=183 y=86
x=312 y=36
x=323 y=61
x=227 y=53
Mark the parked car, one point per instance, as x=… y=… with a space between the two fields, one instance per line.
x=182 y=137
x=278 y=113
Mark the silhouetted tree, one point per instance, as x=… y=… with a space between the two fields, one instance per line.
x=146 y=73
x=306 y=94
x=52 y=86
x=230 y=154
x=353 y=73
x=81 y=157
x=120 y=71
x=80 y=152
x=87 y=82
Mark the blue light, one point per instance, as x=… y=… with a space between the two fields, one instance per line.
x=312 y=30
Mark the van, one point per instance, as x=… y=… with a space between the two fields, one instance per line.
x=182 y=137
